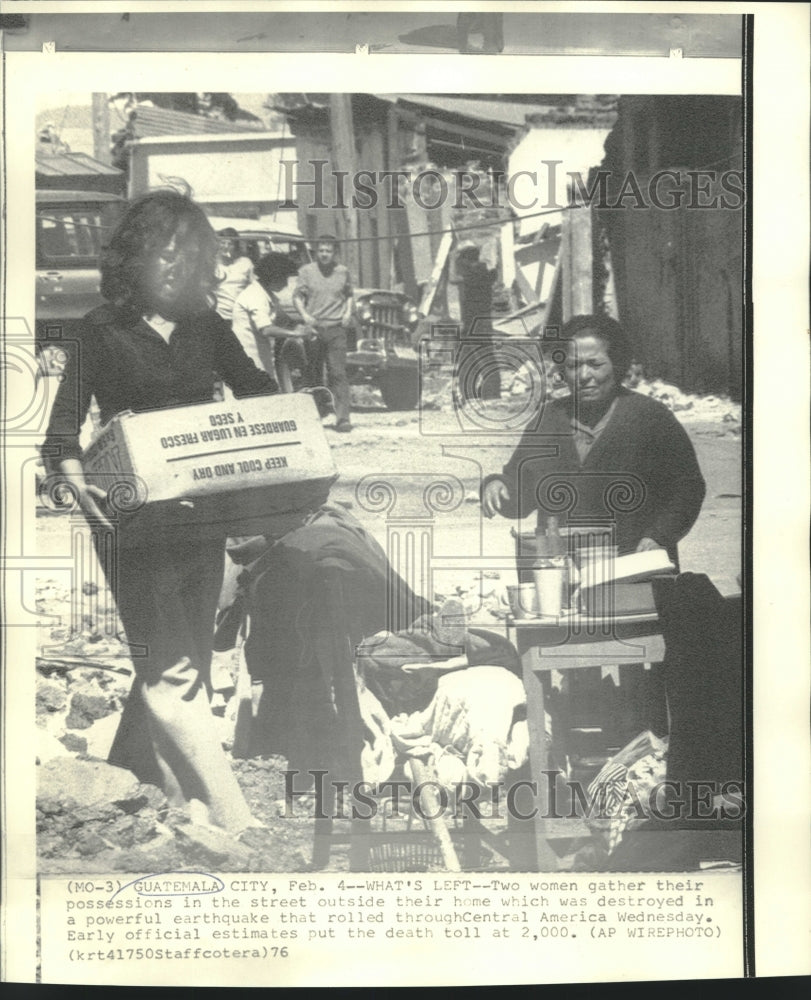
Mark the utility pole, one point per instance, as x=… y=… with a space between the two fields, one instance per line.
x=101 y=128
x=343 y=152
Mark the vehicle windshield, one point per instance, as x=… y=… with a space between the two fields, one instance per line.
x=256 y=246
x=72 y=235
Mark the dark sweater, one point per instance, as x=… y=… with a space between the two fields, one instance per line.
x=642 y=472
x=126 y=365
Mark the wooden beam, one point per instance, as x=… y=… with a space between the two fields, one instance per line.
x=436 y=273
x=576 y=258
x=508 y=266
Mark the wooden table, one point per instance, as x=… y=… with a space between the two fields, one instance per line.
x=571 y=643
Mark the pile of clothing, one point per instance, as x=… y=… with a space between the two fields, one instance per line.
x=460 y=706
x=323 y=600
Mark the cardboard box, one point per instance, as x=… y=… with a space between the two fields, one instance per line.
x=230 y=467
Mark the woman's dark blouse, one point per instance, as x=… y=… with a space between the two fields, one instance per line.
x=126 y=365
x=642 y=473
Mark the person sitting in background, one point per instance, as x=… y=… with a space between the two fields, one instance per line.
x=258 y=316
x=235 y=273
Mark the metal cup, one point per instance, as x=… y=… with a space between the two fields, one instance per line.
x=523 y=600
x=549 y=582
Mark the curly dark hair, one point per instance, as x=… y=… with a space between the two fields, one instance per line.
x=147 y=227
x=275 y=268
x=616 y=340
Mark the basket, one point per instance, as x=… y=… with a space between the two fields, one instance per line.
x=410 y=852
x=405 y=852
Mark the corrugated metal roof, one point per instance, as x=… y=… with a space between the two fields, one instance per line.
x=148 y=121
x=68 y=196
x=492 y=112
x=72 y=165
x=510 y=113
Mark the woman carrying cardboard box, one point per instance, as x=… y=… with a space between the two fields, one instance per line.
x=158 y=343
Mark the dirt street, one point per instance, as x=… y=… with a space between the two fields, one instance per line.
x=461 y=553
x=408 y=448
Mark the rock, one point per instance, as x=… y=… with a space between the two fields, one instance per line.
x=146 y=826
x=175 y=818
x=121 y=833
x=54 y=805
x=159 y=854
x=49 y=845
x=88 y=842
x=153 y=797
x=126 y=831
x=51 y=696
x=87 y=781
x=98 y=812
x=86 y=708
x=209 y=846
x=74 y=743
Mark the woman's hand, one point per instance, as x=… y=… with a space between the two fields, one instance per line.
x=494 y=495
x=88 y=497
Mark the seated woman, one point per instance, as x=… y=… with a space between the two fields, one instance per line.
x=605 y=454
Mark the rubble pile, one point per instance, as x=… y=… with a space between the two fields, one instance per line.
x=690 y=406
x=94 y=817
x=86 y=808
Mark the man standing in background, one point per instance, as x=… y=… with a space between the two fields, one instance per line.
x=323 y=298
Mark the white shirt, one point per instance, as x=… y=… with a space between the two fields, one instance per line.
x=160 y=325
x=236 y=276
x=254 y=310
x=586 y=437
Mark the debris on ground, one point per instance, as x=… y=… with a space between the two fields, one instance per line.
x=94 y=817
